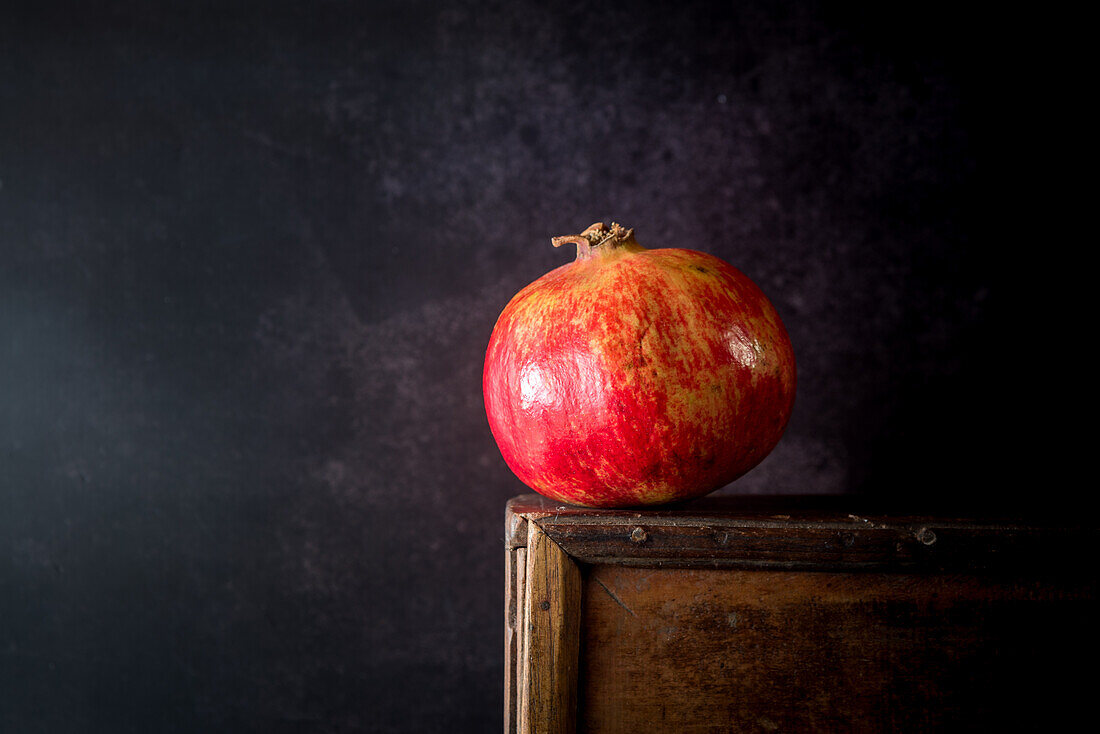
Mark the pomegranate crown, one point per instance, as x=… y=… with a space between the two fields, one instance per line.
x=597 y=235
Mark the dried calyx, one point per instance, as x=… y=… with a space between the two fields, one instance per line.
x=597 y=235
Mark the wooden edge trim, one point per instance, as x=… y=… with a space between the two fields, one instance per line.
x=835 y=542
x=929 y=547
x=550 y=639
x=516 y=576
x=515 y=529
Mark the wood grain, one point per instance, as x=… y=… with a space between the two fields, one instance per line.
x=793 y=614
x=515 y=576
x=732 y=650
x=809 y=534
x=552 y=608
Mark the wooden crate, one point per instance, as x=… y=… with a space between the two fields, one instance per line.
x=794 y=614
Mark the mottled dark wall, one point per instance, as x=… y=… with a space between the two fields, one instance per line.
x=251 y=258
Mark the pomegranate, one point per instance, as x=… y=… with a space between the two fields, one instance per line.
x=637 y=376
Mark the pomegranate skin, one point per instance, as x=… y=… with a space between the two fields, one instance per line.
x=634 y=376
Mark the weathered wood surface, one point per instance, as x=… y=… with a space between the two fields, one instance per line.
x=683 y=650
x=515 y=585
x=795 y=614
x=807 y=533
x=552 y=611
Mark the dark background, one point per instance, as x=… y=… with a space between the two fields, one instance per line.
x=252 y=254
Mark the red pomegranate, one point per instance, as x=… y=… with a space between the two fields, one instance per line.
x=637 y=376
